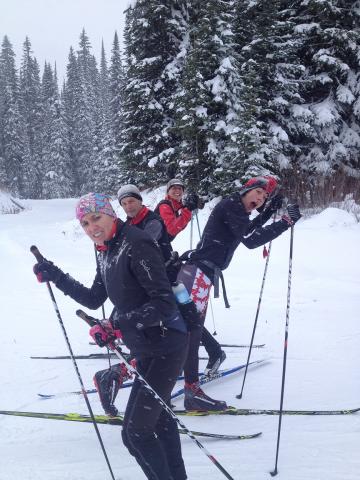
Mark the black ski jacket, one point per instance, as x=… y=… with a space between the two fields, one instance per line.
x=227 y=227
x=154 y=226
x=131 y=273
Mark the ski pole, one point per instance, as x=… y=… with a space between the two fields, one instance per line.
x=102 y=306
x=275 y=471
x=191 y=231
x=256 y=318
x=211 y=306
x=93 y=321
x=97 y=265
x=34 y=250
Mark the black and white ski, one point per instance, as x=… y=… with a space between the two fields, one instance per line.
x=259 y=411
x=103 y=419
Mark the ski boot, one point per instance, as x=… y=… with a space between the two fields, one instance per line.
x=107 y=383
x=196 y=399
x=214 y=363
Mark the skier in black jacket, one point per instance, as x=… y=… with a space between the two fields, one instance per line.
x=131 y=273
x=227 y=227
x=139 y=215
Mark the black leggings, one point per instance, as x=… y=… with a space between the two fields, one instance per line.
x=149 y=432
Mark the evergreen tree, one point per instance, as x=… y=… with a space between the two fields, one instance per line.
x=330 y=89
x=105 y=169
x=152 y=38
x=56 y=181
x=82 y=106
x=14 y=151
x=208 y=106
x=258 y=33
x=31 y=111
x=117 y=85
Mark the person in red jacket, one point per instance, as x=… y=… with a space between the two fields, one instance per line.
x=175 y=212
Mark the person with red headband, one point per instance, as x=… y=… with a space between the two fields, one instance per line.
x=228 y=226
x=131 y=273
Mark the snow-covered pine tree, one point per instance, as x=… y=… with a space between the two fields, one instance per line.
x=105 y=169
x=14 y=148
x=31 y=112
x=207 y=100
x=256 y=27
x=117 y=85
x=70 y=92
x=81 y=102
x=116 y=88
x=153 y=34
x=55 y=168
x=328 y=159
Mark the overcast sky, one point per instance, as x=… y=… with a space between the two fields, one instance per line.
x=54 y=25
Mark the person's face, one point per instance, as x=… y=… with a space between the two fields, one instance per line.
x=98 y=226
x=176 y=192
x=131 y=206
x=254 y=199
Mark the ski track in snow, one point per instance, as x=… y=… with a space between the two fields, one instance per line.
x=322 y=365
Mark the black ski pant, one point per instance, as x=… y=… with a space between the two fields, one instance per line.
x=150 y=434
x=189 y=276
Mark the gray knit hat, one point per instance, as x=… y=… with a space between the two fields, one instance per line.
x=128 y=191
x=175 y=181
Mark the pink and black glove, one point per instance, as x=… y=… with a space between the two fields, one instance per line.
x=104 y=334
x=46 y=271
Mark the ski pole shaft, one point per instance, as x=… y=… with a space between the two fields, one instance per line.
x=97 y=265
x=255 y=323
x=102 y=306
x=90 y=322
x=256 y=318
x=210 y=301
x=35 y=251
x=191 y=231
x=275 y=471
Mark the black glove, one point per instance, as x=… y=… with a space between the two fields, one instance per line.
x=273 y=205
x=293 y=212
x=46 y=271
x=191 y=201
x=276 y=202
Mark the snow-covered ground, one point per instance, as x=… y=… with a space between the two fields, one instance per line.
x=322 y=370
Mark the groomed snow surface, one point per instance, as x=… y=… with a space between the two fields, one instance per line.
x=322 y=369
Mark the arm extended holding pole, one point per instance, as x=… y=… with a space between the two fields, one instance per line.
x=35 y=251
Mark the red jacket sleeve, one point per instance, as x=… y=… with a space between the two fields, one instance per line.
x=174 y=224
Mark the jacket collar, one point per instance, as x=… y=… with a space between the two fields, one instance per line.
x=139 y=217
x=175 y=204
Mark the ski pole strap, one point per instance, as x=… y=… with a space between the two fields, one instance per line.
x=216 y=275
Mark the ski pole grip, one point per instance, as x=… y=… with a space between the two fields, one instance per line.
x=89 y=320
x=35 y=251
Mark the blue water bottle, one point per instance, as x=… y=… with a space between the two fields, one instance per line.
x=181 y=294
